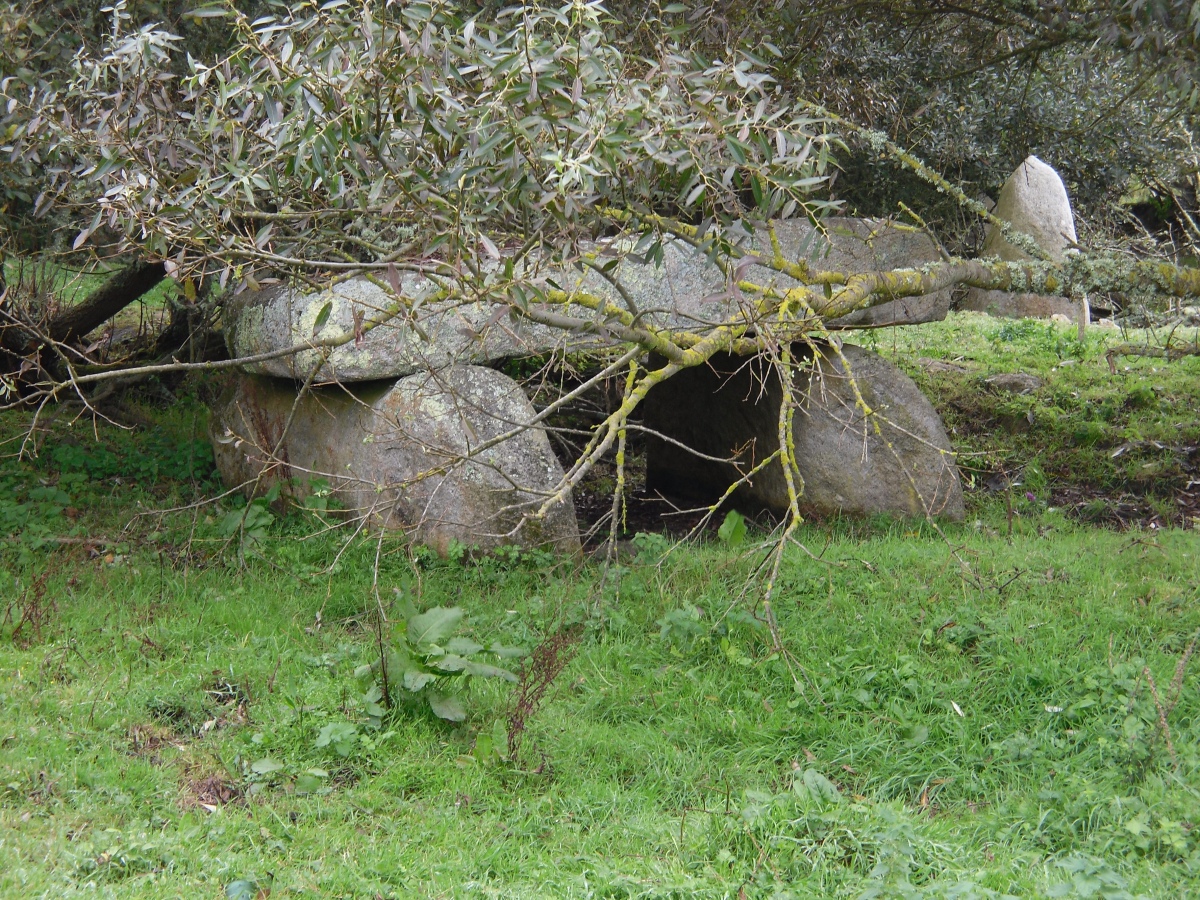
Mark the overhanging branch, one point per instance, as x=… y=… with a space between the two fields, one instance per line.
x=119 y=291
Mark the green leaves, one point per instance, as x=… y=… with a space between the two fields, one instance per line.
x=812 y=785
x=251 y=524
x=242 y=889
x=1090 y=878
x=464 y=646
x=486 y=670
x=207 y=12
x=682 y=627
x=445 y=707
x=311 y=781
x=433 y=626
x=266 y=766
x=418 y=666
x=322 y=317
x=340 y=736
x=492 y=746
x=502 y=136
x=733 y=529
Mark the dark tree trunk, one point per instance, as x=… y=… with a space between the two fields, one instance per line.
x=23 y=350
x=113 y=296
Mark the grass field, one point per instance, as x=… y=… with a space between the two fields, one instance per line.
x=1117 y=440
x=1006 y=708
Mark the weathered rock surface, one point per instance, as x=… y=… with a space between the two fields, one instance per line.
x=1015 y=382
x=1035 y=201
x=436 y=335
x=939 y=365
x=686 y=292
x=730 y=410
x=404 y=454
x=875 y=245
x=1022 y=306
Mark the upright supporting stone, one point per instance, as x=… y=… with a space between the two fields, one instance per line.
x=729 y=410
x=405 y=455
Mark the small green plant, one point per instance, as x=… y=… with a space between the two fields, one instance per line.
x=651 y=545
x=1142 y=396
x=1090 y=878
x=249 y=888
x=733 y=530
x=339 y=736
x=1017 y=330
x=318 y=493
x=31 y=512
x=683 y=627
x=424 y=658
x=268 y=772
x=491 y=746
x=250 y=524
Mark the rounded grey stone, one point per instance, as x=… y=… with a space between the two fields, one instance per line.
x=729 y=411
x=411 y=454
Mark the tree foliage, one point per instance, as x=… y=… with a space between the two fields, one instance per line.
x=342 y=134
x=1102 y=88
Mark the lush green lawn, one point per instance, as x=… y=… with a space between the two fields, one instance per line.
x=1116 y=441
x=957 y=715
x=45 y=276
x=983 y=714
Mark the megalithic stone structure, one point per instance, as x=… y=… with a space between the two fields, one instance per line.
x=413 y=430
x=1034 y=201
x=728 y=413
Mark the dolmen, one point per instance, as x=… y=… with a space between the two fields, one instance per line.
x=413 y=426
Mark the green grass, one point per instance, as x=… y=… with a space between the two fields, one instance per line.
x=1087 y=428
x=961 y=716
x=965 y=715
x=38 y=278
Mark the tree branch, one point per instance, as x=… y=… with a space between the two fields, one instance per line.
x=121 y=289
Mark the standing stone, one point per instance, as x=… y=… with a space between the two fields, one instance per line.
x=395 y=454
x=1035 y=201
x=730 y=410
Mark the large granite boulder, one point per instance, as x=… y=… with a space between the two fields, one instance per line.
x=871 y=245
x=1035 y=201
x=685 y=292
x=435 y=334
x=404 y=454
x=729 y=410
